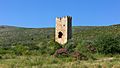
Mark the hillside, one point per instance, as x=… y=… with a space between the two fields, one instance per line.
x=16 y=35
x=35 y=47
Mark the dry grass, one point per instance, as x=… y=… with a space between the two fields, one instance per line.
x=50 y=62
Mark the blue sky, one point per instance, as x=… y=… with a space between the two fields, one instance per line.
x=42 y=13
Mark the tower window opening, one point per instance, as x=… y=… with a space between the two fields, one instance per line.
x=60 y=34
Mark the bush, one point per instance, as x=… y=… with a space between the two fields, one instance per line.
x=42 y=47
x=48 y=47
x=70 y=46
x=108 y=44
x=53 y=46
x=20 y=50
x=85 y=46
x=81 y=46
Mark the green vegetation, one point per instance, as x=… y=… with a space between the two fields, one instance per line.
x=34 y=47
x=108 y=44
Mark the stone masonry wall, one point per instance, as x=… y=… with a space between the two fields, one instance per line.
x=63 y=30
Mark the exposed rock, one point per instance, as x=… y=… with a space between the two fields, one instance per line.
x=79 y=56
x=62 y=52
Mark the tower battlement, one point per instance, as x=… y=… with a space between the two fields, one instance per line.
x=65 y=17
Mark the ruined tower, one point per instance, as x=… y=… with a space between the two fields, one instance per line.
x=63 y=31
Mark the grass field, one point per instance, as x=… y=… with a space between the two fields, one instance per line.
x=51 y=62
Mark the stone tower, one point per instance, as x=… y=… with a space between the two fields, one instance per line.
x=63 y=31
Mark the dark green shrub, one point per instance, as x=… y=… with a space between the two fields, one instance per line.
x=20 y=50
x=48 y=47
x=84 y=46
x=70 y=46
x=5 y=50
x=53 y=46
x=108 y=44
x=42 y=47
x=81 y=46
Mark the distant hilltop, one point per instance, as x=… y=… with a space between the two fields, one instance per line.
x=115 y=25
x=6 y=26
